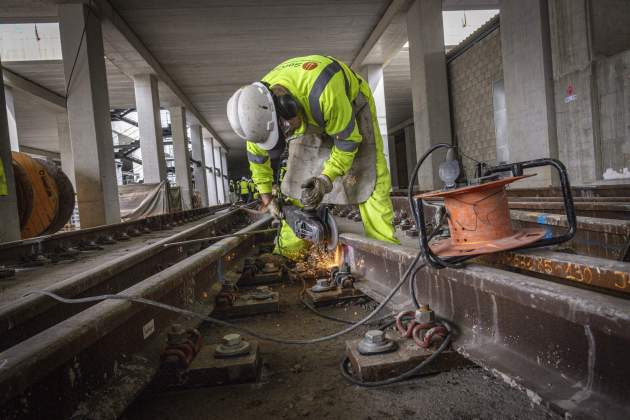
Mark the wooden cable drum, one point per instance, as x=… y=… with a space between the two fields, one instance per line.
x=44 y=193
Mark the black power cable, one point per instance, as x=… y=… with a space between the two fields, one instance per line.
x=428 y=257
x=76 y=55
x=343 y=366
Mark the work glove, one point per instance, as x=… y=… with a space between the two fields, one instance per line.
x=272 y=206
x=313 y=191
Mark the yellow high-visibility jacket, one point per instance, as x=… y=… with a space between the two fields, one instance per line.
x=4 y=186
x=244 y=186
x=325 y=88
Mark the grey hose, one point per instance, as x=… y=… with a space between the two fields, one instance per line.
x=229 y=324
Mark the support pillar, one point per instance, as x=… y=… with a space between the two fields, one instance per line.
x=65 y=148
x=224 y=170
x=429 y=87
x=528 y=77
x=199 y=169
x=150 y=128
x=88 y=115
x=219 y=178
x=10 y=226
x=213 y=195
x=181 y=154
x=12 y=123
x=410 y=148
x=377 y=86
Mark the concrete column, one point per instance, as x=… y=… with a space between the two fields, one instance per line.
x=219 y=166
x=181 y=154
x=578 y=99
x=377 y=86
x=213 y=197
x=65 y=147
x=429 y=87
x=88 y=115
x=199 y=170
x=224 y=169
x=13 y=133
x=528 y=77
x=410 y=148
x=10 y=226
x=150 y=128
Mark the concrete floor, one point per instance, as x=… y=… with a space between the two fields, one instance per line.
x=304 y=382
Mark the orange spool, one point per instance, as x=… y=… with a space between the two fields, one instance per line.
x=45 y=195
x=479 y=221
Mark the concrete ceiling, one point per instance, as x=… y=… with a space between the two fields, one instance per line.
x=37 y=125
x=49 y=74
x=212 y=48
x=397 y=79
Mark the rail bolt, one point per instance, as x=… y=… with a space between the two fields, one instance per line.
x=232 y=340
x=375 y=336
x=176 y=334
x=424 y=314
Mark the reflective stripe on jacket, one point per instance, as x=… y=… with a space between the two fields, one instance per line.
x=325 y=89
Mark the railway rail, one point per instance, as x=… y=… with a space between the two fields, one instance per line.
x=64 y=245
x=30 y=315
x=51 y=371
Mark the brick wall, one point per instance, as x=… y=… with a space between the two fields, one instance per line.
x=471 y=75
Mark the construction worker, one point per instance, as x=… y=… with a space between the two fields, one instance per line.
x=244 y=189
x=252 y=189
x=232 y=190
x=4 y=186
x=326 y=114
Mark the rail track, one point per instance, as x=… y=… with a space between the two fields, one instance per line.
x=518 y=314
x=55 y=356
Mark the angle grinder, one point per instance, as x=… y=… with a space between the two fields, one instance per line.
x=317 y=226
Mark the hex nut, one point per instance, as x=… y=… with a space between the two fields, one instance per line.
x=232 y=340
x=375 y=336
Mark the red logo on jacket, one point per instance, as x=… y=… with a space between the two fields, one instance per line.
x=309 y=65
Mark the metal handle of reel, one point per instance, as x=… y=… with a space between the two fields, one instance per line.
x=517 y=169
x=417 y=208
x=433 y=260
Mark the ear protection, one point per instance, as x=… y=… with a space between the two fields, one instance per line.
x=286 y=105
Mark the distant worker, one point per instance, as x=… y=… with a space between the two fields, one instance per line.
x=244 y=189
x=4 y=185
x=232 y=190
x=252 y=188
x=327 y=112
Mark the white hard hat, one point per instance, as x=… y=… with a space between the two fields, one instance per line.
x=252 y=115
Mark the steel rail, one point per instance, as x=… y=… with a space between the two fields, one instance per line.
x=91 y=346
x=18 y=252
x=565 y=346
x=31 y=314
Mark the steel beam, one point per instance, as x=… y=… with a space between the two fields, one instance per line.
x=588 y=271
x=45 y=96
x=565 y=346
x=394 y=10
